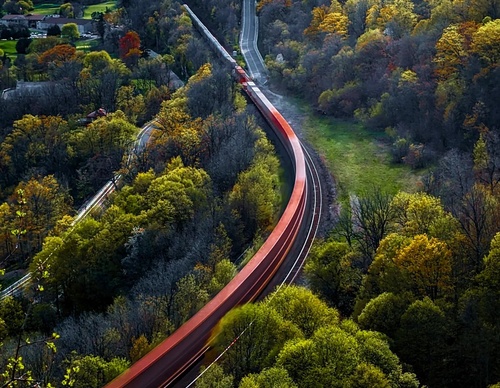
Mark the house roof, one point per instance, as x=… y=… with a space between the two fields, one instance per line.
x=79 y=22
x=35 y=17
x=14 y=17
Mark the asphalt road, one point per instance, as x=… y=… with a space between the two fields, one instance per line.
x=248 y=43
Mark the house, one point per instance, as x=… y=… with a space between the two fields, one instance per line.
x=84 y=25
x=34 y=19
x=8 y=20
x=38 y=89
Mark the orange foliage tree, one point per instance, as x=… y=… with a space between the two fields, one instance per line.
x=130 y=48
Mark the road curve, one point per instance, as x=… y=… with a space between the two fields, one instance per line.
x=173 y=356
x=248 y=43
x=97 y=200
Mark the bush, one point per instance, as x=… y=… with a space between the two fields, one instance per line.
x=54 y=30
x=22 y=45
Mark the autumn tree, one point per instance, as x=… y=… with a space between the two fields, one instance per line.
x=58 y=56
x=485 y=42
x=45 y=203
x=130 y=48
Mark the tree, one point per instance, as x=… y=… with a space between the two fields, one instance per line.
x=254 y=196
x=421 y=338
x=214 y=377
x=274 y=377
x=485 y=42
x=331 y=273
x=66 y=10
x=22 y=45
x=428 y=264
x=367 y=376
x=327 y=358
x=54 y=30
x=189 y=298
x=178 y=195
x=371 y=218
x=131 y=103
x=303 y=308
x=58 y=55
x=421 y=213
x=70 y=31
x=92 y=371
x=46 y=203
x=453 y=50
x=130 y=48
x=261 y=333
x=383 y=313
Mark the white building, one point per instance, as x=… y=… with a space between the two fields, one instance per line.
x=84 y=25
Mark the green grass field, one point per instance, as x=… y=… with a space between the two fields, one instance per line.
x=86 y=45
x=9 y=47
x=358 y=159
x=46 y=9
x=53 y=8
x=101 y=7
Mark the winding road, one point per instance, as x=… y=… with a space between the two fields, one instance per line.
x=97 y=200
x=289 y=271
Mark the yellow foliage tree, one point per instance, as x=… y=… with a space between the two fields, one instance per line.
x=427 y=263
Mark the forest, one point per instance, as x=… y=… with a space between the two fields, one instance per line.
x=403 y=291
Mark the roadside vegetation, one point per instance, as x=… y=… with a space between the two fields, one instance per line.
x=409 y=129
x=358 y=159
x=163 y=244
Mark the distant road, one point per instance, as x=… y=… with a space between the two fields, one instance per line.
x=97 y=200
x=248 y=43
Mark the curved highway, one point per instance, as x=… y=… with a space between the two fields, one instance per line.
x=97 y=200
x=248 y=43
x=278 y=261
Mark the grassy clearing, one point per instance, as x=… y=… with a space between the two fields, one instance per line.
x=86 y=45
x=46 y=9
x=101 y=7
x=53 y=8
x=9 y=47
x=358 y=159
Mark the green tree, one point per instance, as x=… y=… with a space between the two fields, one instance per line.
x=214 y=377
x=332 y=275
x=383 y=313
x=255 y=196
x=326 y=359
x=368 y=376
x=92 y=371
x=189 y=298
x=66 y=10
x=70 y=31
x=421 y=339
x=261 y=333
x=274 y=377
x=303 y=308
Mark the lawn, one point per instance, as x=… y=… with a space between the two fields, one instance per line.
x=86 y=45
x=101 y=7
x=9 y=47
x=46 y=9
x=53 y=8
x=358 y=159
